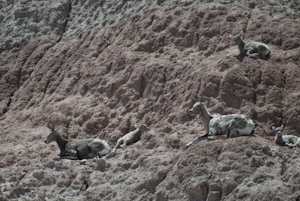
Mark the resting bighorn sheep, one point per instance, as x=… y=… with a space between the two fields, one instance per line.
x=253 y=50
x=132 y=136
x=79 y=149
x=285 y=140
x=217 y=125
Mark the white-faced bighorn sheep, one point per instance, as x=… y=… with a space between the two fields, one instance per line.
x=132 y=136
x=218 y=126
x=79 y=149
x=285 y=140
x=251 y=49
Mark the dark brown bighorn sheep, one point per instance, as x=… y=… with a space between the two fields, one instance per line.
x=132 y=136
x=285 y=140
x=218 y=126
x=79 y=149
x=253 y=50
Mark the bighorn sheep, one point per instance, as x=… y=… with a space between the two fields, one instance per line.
x=132 y=136
x=253 y=50
x=217 y=125
x=79 y=149
x=285 y=140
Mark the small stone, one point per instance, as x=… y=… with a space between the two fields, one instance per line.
x=100 y=165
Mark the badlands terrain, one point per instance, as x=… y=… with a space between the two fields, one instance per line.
x=96 y=68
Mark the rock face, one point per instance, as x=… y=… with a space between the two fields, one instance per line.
x=95 y=68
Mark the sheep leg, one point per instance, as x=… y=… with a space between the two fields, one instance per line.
x=206 y=136
x=119 y=142
x=216 y=137
x=290 y=144
x=93 y=149
x=254 y=56
x=212 y=137
x=124 y=144
x=197 y=140
x=69 y=154
x=251 y=53
x=212 y=132
x=262 y=53
x=229 y=133
x=95 y=153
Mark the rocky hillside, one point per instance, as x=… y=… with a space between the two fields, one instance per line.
x=95 y=68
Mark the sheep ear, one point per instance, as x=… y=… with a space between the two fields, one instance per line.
x=48 y=126
x=241 y=34
x=201 y=99
x=51 y=126
x=147 y=127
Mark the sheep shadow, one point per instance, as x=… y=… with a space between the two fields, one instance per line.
x=241 y=57
x=205 y=137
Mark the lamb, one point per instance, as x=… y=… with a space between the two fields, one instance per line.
x=217 y=125
x=253 y=50
x=131 y=137
x=79 y=149
x=285 y=140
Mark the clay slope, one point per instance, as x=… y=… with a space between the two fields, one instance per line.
x=95 y=68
